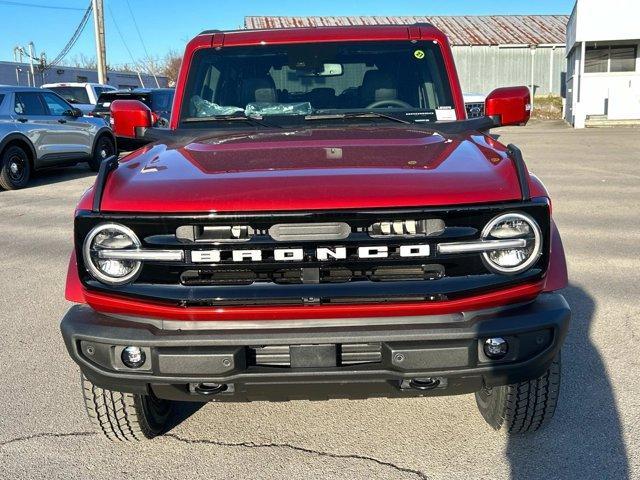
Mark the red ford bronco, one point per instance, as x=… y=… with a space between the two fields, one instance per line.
x=321 y=220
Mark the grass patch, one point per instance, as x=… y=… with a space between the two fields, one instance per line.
x=547 y=108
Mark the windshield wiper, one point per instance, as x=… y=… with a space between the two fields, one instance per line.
x=346 y=116
x=230 y=118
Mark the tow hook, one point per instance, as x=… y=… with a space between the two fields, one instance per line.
x=428 y=383
x=209 y=388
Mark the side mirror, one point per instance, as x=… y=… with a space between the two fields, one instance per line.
x=73 y=112
x=129 y=115
x=509 y=105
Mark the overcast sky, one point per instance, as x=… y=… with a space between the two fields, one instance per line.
x=169 y=24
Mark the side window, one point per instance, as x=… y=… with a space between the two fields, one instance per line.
x=1 y=98
x=100 y=90
x=596 y=59
x=623 y=59
x=29 y=103
x=56 y=105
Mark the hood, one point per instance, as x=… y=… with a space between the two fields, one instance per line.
x=312 y=169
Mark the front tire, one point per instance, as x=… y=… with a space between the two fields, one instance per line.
x=522 y=407
x=15 y=168
x=105 y=147
x=126 y=416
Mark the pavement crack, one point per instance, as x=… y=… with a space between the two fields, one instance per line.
x=297 y=448
x=35 y=436
x=220 y=443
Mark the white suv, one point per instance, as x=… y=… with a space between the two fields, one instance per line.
x=81 y=95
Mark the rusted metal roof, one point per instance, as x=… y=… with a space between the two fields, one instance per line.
x=461 y=30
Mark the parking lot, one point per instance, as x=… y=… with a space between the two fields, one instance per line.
x=594 y=180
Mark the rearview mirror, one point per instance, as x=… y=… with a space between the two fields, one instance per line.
x=129 y=115
x=509 y=105
x=326 y=70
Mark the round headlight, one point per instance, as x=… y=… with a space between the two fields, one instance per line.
x=513 y=226
x=109 y=237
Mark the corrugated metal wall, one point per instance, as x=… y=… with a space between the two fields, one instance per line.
x=483 y=68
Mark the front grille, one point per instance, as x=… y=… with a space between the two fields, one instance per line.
x=475 y=109
x=304 y=278
x=290 y=276
x=347 y=354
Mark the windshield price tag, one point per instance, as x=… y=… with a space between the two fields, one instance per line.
x=445 y=113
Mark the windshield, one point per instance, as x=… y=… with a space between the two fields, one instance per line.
x=72 y=94
x=161 y=101
x=394 y=78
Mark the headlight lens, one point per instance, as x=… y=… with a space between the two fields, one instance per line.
x=513 y=226
x=111 y=236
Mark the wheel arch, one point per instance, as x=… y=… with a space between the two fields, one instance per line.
x=22 y=141
x=100 y=133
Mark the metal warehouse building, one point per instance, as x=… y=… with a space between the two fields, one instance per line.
x=490 y=51
x=16 y=73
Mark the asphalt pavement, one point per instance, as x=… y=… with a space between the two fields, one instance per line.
x=594 y=179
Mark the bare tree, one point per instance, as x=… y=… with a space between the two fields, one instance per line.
x=171 y=66
x=168 y=66
x=81 y=60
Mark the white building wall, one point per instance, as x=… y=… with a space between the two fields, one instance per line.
x=597 y=20
x=614 y=94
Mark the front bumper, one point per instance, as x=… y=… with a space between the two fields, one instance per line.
x=446 y=349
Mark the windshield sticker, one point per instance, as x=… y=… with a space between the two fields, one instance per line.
x=419 y=54
x=445 y=113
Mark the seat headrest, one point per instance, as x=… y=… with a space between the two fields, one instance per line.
x=261 y=89
x=323 y=97
x=377 y=85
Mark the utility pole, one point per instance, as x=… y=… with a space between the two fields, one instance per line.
x=533 y=60
x=101 y=51
x=32 y=51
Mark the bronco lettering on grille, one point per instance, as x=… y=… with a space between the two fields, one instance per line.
x=297 y=254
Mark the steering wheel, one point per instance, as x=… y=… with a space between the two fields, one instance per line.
x=389 y=103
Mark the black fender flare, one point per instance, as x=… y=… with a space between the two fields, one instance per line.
x=22 y=138
x=103 y=131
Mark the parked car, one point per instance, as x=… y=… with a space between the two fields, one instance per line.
x=319 y=220
x=159 y=100
x=39 y=129
x=81 y=95
x=474 y=104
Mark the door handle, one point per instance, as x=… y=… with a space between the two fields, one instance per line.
x=62 y=120
x=22 y=120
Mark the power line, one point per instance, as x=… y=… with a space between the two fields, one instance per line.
x=74 y=38
x=133 y=60
x=115 y=24
x=138 y=30
x=144 y=47
x=35 y=5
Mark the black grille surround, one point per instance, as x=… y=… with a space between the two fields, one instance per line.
x=352 y=280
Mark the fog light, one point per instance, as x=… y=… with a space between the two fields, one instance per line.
x=133 y=357
x=496 y=348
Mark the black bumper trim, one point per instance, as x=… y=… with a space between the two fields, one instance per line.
x=449 y=351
